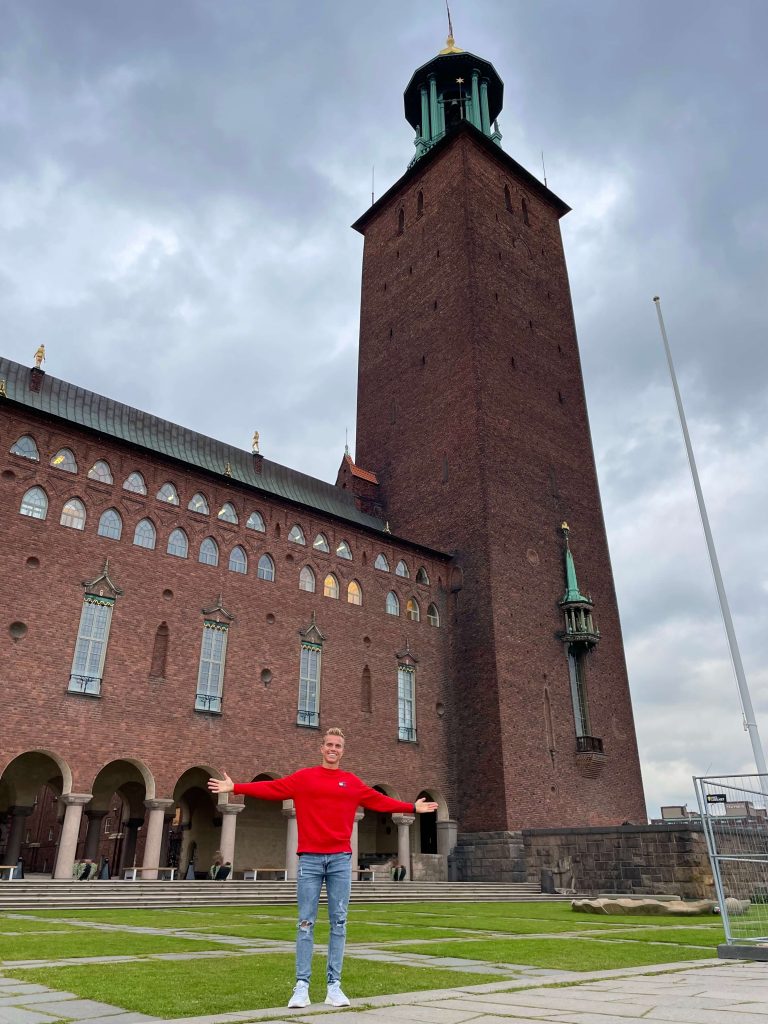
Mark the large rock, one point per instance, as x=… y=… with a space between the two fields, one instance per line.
x=645 y=906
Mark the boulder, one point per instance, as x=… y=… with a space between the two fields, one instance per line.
x=647 y=906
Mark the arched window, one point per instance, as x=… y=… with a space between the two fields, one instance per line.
x=135 y=483
x=178 y=544
x=420 y=204
x=330 y=586
x=110 y=524
x=227 y=513
x=199 y=504
x=421 y=576
x=73 y=514
x=296 y=534
x=169 y=494
x=100 y=471
x=354 y=593
x=401 y=221
x=401 y=569
x=508 y=198
x=525 y=213
x=412 y=609
x=343 y=550
x=255 y=522
x=238 y=560
x=209 y=552
x=320 y=543
x=381 y=563
x=34 y=503
x=266 y=569
x=393 y=605
x=64 y=459
x=433 y=615
x=26 y=448
x=307 y=580
x=144 y=536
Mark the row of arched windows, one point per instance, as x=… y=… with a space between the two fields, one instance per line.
x=34 y=503
x=64 y=459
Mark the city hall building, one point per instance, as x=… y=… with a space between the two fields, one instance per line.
x=175 y=607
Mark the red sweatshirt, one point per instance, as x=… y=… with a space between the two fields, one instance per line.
x=325 y=800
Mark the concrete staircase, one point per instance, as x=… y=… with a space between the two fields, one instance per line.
x=100 y=895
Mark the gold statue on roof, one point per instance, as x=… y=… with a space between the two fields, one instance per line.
x=40 y=356
x=255 y=443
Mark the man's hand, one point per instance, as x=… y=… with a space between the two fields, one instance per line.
x=225 y=785
x=422 y=806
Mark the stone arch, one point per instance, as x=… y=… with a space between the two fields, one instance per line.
x=197 y=825
x=31 y=811
x=122 y=771
x=113 y=827
x=426 y=825
x=261 y=831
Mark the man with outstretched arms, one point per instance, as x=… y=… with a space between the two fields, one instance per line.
x=325 y=798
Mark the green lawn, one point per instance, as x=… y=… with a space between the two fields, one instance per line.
x=563 y=954
x=192 y=988
x=708 y=935
x=86 y=942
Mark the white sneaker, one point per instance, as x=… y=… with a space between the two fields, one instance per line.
x=300 y=996
x=335 y=996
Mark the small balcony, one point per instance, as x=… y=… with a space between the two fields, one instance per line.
x=210 y=702
x=309 y=719
x=90 y=685
x=589 y=745
x=406 y=734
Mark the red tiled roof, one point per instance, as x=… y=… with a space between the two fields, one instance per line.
x=363 y=474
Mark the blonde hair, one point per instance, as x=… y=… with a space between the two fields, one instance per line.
x=333 y=732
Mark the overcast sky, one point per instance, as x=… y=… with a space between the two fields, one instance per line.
x=177 y=181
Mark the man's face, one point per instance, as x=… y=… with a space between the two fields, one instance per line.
x=332 y=750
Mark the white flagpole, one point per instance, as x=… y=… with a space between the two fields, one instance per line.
x=738 y=667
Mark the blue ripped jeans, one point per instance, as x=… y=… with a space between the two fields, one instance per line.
x=335 y=869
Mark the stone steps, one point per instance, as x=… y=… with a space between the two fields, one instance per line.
x=101 y=895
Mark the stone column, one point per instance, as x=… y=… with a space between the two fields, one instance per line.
x=475 y=118
x=70 y=829
x=426 y=130
x=291 y=842
x=447 y=832
x=228 y=825
x=404 y=822
x=167 y=822
x=16 y=834
x=359 y=815
x=157 y=809
x=130 y=834
x=434 y=114
x=93 y=834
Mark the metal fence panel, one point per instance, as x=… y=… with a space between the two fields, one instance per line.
x=734 y=812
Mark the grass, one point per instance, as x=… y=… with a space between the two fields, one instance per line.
x=84 y=942
x=707 y=935
x=188 y=988
x=563 y=954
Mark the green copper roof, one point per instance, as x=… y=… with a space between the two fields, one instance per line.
x=572 y=592
x=94 y=412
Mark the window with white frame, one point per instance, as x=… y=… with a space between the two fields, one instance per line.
x=26 y=448
x=145 y=535
x=210 y=676
x=168 y=494
x=209 y=552
x=401 y=569
x=309 y=686
x=354 y=593
x=135 y=483
x=343 y=550
x=433 y=615
x=100 y=471
x=320 y=543
x=330 y=586
x=307 y=580
x=412 y=610
x=73 y=514
x=64 y=459
x=238 y=560
x=406 y=703
x=393 y=604
x=198 y=503
x=227 y=513
x=266 y=569
x=91 y=647
x=422 y=576
x=178 y=544
x=296 y=534
x=255 y=522
x=110 y=524
x=34 y=503
x=381 y=563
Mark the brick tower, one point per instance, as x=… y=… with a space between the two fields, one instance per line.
x=472 y=414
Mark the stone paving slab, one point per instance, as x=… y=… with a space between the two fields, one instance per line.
x=122 y=1018
x=32 y=998
x=16 y=1015
x=81 y=1009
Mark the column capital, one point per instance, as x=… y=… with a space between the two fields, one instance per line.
x=359 y=814
x=20 y=811
x=404 y=819
x=92 y=813
x=76 y=799
x=158 y=805
x=447 y=823
x=289 y=812
x=230 y=808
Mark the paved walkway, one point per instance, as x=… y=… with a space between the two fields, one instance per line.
x=700 y=993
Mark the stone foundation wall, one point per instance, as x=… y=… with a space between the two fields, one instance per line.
x=641 y=859
x=428 y=867
x=488 y=857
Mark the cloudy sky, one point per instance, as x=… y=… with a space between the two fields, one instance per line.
x=176 y=185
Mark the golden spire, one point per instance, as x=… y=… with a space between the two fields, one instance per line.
x=450 y=44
